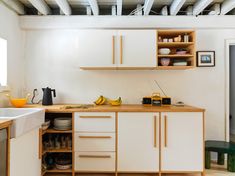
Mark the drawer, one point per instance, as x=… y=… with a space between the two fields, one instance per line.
x=95 y=161
x=95 y=142
x=94 y=122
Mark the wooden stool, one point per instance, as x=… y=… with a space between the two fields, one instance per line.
x=221 y=148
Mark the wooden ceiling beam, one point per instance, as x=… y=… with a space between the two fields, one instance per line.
x=41 y=6
x=200 y=5
x=94 y=6
x=119 y=7
x=14 y=5
x=227 y=6
x=64 y=6
x=176 y=6
x=147 y=6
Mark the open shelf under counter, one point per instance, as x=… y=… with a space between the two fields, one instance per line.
x=53 y=131
x=58 y=151
x=59 y=171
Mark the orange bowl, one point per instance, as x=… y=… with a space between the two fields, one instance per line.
x=19 y=102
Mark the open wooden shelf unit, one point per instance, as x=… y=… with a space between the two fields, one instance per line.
x=169 y=35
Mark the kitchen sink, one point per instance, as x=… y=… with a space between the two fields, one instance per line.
x=24 y=119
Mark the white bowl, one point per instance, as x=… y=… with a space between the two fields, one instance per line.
x=164 y=51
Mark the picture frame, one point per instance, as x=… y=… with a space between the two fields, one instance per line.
x=205 y=58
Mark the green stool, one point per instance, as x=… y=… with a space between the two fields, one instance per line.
x=221 y=148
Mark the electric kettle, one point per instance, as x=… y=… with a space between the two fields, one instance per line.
x=47 y=96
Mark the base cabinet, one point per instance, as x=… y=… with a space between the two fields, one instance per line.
x=182 y=142
x=138 y=142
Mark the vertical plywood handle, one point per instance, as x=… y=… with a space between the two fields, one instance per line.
x=155 y=131
x=40 y=144
x=113 y=57
x=165 y=131
x=121 y=49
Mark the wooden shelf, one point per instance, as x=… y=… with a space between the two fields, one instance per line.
x=176 y=56
x=59 y=171
x=56 y=131
x=58 y=151
x=43 y=172
x=174 y=44
x=174 y=67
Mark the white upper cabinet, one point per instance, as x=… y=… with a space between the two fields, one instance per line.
x=182 y=142
x=117 y=48
x=138 y=142
x=96 y=48
x=137 y=48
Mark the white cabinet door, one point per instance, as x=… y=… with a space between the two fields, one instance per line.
x=182 y=141
x=138 y=142
x=96 y=48
x=137 y=48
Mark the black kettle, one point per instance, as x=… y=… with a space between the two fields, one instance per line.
x=47 y=96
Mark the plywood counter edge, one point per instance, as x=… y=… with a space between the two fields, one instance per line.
x=5 y=123
x=122 y=108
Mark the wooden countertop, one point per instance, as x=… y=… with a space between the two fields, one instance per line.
x=122 y=108
x=5 y=123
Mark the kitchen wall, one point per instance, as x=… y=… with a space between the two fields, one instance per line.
x=10 y=30
x=51 y=60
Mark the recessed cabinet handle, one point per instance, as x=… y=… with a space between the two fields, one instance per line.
x=155 y=131
x=93 y=117
x=113 y=41
x=94 y=156
x=121 y=49
x=165 y=130
x=95 y=137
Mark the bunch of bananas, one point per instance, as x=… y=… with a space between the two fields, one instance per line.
x=116 y=102
x=101 y=100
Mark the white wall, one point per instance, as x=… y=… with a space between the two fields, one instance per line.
x=51 y=57
x=10 y=30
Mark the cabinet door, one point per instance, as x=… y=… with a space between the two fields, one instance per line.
x=3 y=152
x=96 y=48
x=137 y=48
x=138 y=142
x=182 y=141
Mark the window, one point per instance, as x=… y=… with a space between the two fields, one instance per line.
x=3 y=62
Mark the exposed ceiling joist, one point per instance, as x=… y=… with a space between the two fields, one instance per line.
x=64 y=6
x=41 y=6
x=189 y=10
x=215 y=10
x=94 y=6
x=176 y=6
x=119 y=7
x=147 y=6
x=164 y=11
x=200 y=5
x=227 y=6
x=15 y=6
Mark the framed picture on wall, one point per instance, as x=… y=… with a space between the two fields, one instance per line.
x=206 y=58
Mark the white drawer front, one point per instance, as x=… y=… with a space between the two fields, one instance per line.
x=94 y=122
x=95 y=142
x=95 y=161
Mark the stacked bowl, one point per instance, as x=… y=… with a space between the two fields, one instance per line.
x=63 y=123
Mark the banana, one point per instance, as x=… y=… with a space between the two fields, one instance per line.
x=100 y=101
x=116 y=102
